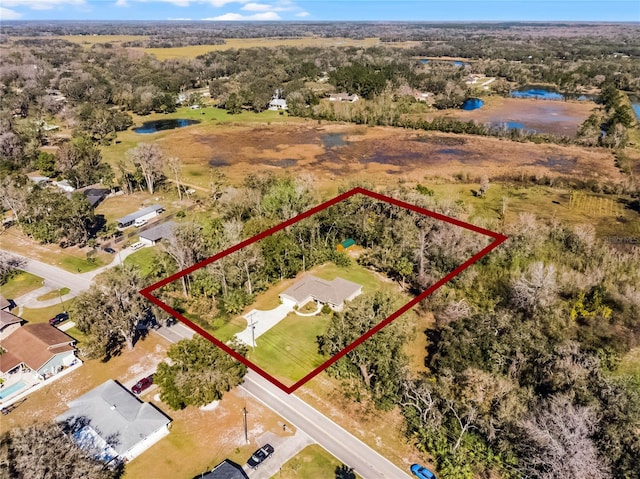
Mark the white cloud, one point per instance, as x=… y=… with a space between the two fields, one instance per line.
x=228 y=17
x=41 y=4
x=257 y=7
x=302 y=14
x=6 y=14
x=121 y=3
x=222 y=3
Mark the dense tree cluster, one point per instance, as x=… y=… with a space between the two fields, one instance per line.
x=44 y=451
x=200 y=373
x=111 y=311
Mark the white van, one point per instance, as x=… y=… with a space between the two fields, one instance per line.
x=136 y=246
x=139 y=222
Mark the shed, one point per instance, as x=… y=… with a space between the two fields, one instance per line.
x=346 y=244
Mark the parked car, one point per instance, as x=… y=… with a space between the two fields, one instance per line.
x=109 y=250
x=58 y=318
x=422 y=472
x=260 y=456
x=139 y=222
x=143 y=384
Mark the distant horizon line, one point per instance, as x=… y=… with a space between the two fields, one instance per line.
x=428 y=22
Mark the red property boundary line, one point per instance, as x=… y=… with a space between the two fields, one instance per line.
x=497 y=240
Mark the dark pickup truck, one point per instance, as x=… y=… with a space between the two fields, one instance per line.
x=260 y=456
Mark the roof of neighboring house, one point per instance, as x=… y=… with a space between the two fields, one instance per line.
x=164 y=230
x=225 y=470
x=7 y=318
x=114 y=413
x=4 y=302
x=137 y=214
x=344 y=96
x=95 y=195
x=35 y=344
x=278 y=102
x=333 y=292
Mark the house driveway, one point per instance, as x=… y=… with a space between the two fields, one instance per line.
x=285 y=448
x=263 y=321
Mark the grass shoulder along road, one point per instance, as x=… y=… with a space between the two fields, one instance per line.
x=313 y=462
x=20 y=283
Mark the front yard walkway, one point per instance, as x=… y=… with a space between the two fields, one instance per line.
x=262 y=322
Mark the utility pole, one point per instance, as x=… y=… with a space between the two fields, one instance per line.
x=253 y=329
x=244 y=417
x=61 y=302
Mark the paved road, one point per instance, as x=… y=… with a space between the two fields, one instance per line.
x=57 y=278
x=340 y=443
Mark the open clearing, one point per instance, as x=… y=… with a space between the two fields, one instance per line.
x=312 y=462
x=20 y=283
x=380 y=154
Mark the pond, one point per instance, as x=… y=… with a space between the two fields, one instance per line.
x=330 y=140
x=472 y=104
x=547 y=93
x=635 y=104
x=512 y=125
x=161 y=125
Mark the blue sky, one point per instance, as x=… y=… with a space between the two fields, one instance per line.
x=315 y=10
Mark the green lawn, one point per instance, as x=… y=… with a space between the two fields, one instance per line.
x=289 y=349
x=313 y=462
x=56 y=293
x=19 y=284
x=79 y=265
x=144 y=259
x=42 y=315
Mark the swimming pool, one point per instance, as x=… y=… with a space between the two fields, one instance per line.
x=5 y=392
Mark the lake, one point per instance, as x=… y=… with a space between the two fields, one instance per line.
x=161 y=125
x=547 y=93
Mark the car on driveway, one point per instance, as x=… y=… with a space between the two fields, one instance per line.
x=58 y=318
x=143 y=384
x=260 y=456
x=109 y=250
x=422 y=472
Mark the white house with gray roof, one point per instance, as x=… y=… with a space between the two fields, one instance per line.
x=143 y=214
x=112 y=424
x=310 y=288
x=157 y=233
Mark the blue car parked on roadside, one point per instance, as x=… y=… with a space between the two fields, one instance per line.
x=422 y=472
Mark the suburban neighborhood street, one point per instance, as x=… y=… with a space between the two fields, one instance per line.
x=57 y=278
x=344 y=446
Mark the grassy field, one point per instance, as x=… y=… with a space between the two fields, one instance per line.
x=19 y=284
x=606 y=213
x=630 y=363
x=313 y=462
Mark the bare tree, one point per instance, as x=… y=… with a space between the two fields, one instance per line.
x=557 y=441
x=8 y=264
x=535 y=289
x=175 y=165
x=186 y=246
x=150 y=159
x=13 y=195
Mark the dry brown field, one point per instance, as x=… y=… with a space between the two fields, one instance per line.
x=339 y=152
x=545 y=116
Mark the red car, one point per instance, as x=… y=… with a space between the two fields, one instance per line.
x=143 y=384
